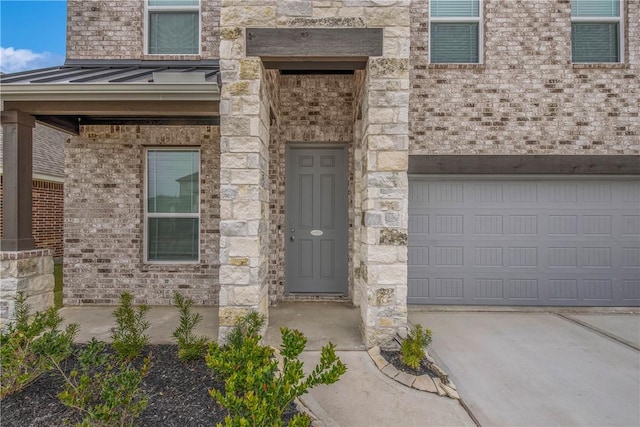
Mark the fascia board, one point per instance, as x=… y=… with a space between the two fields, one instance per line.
x=110 y=92
x=50 y=178
x=44 y=177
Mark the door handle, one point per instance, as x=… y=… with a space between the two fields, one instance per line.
x=293 y=238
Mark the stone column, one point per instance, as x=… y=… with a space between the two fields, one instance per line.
x=384 y=190
x=17 y=180
x=30 y=272
x=22 y=267
x=244 y=177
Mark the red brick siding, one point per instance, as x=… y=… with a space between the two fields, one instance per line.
x=48 y=205
x=48 y=211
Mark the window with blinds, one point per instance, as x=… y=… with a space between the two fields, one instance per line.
x=596 y=31
x=455 y=32
x=172 y=205
x=173 y=27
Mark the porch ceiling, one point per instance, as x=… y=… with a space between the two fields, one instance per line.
x=106 y=91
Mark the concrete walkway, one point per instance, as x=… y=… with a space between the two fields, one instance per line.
x=541 y=369
x=320 y=322
x=97 y=321
x=366 y=397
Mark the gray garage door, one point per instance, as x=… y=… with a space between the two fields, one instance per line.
x=562 y=241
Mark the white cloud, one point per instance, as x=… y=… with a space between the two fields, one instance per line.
x=14 y=60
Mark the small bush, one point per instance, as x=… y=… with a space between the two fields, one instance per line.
x=128 y=335
x=105 y=389
x=256 y=392
x=29 y=345
x=412 y=348
x=190 y=346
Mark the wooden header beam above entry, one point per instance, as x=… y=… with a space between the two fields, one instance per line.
x=314 y=48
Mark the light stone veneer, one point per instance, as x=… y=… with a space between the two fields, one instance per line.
x=30 y=272
x=381 y=152
x=244 y=179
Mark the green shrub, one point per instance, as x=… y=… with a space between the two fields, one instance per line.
x=105 y=389
x=128 y=335
x=412 y=348
x=256 y=392
x=190 y=346
x=29 y=345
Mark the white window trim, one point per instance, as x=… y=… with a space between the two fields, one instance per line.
x=461 y=19
x=605 y=20
x=148 y=9
x=168 y=215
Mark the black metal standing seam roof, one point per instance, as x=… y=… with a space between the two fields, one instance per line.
x=108 y=71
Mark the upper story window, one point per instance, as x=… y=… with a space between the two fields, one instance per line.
x=456 y=31
x=596 y=30
x=172 y=208
x=173 y=27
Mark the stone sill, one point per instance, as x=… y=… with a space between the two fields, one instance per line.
x=600 y=66
x=456 y=66
x=33 y=253
x=163 y=57
x=177 y=267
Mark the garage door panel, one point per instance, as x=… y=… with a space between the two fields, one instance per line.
x=631 y=258
x=631 y=290
x=535 y=242
x=525 y=290
x=448 y=287
x=419 y=290
x=630 y=225
x=597 y=290
x=630 y=193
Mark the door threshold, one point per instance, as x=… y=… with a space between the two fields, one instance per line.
x=337 y=297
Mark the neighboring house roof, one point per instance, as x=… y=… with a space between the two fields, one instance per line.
x=48 y=152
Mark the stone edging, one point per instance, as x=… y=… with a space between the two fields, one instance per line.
x=422 y=382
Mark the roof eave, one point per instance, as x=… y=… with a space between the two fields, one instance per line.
x=208 y=91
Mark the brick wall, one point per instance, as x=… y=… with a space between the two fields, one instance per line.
x=47 y=211
x=115 y=29
x=104 y=217
x=527 y=97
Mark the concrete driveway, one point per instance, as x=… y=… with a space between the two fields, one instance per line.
x=541 y=369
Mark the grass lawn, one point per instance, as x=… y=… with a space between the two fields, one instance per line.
x=57 y=289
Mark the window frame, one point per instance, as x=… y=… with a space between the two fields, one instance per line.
x=602 y=20
x=460 y=20
x=147 y=25
x=146 y=213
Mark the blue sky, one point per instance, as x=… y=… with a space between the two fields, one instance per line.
x=32 y=34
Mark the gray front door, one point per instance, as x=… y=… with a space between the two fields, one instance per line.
x=316 y=218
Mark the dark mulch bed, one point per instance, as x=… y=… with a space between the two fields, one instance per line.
x=393 y=357
x=177 y=391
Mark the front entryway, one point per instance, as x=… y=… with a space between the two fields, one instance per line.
x=316 y=220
